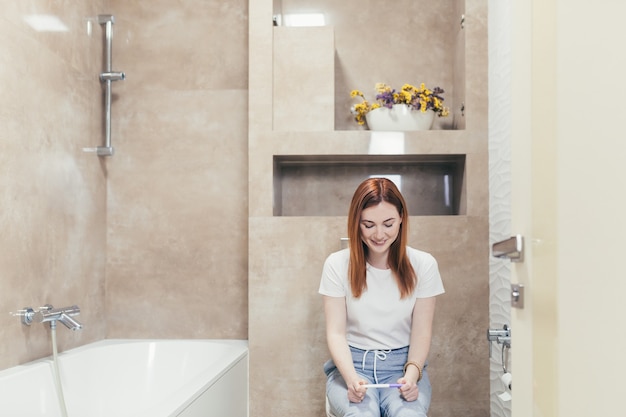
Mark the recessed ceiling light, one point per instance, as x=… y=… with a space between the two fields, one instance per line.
x=304 y=19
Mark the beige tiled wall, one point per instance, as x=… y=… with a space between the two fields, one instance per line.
x=177 y=187
x=53 y=208
x=153 y=242
x=165 y=219
x=286 y=327
x=304 y=79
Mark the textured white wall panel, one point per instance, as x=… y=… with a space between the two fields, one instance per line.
x=499 y=186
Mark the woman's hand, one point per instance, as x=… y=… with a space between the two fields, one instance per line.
x=409 y=391
x=356 y=392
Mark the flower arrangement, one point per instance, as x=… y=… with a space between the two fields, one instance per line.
x=421 y=99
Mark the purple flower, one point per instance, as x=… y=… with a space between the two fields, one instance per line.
x=386 y=98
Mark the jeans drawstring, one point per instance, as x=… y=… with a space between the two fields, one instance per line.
x=378 y=354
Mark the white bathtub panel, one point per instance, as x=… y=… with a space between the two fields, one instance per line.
x=227 y=397
x=136 y=374
x=122 y=378
x=28 y=391
x=132 y=378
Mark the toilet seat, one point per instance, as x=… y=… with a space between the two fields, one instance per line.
x=328 y=412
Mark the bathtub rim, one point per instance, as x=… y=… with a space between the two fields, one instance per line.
x=180 y=399
x=120 y=341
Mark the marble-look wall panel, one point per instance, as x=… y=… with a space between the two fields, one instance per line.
x=457 y=104
x=52 y=211
x=177 y=190
x=458 y=358
x=476 y=80
x=286 y=336
x=303 y=81
x=185 y=45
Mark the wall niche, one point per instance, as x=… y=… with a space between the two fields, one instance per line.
x=322 y=185
x=354 y=45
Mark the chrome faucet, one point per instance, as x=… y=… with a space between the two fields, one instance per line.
x=50 y=314
x=500 y=336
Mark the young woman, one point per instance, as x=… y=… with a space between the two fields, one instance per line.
x=379 y=302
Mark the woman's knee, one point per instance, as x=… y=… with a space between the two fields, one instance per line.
x=342 y=407
x=405 y=409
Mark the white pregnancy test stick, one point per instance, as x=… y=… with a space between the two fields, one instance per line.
x=382 y=385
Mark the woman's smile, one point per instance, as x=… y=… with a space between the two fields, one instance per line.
x=380 y=226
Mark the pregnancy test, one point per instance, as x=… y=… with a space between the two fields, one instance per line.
x=382 y=385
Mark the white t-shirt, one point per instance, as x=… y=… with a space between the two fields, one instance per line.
x=379 y=319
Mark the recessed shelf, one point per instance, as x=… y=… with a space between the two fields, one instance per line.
x=330 y=61
x=322 y=185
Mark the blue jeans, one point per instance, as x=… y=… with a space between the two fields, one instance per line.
x=377 y=367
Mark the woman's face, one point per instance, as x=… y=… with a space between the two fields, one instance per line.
x=380 y=226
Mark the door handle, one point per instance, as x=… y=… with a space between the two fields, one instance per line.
x=511 y=248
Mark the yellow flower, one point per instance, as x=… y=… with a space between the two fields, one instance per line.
x=382 y=88
x=420 y=98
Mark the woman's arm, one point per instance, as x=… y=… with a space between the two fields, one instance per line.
x=336 y=319
x=421 y=335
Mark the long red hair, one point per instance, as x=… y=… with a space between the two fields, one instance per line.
x=369 y=193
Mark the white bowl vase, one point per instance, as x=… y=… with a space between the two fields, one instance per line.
x=399 y=118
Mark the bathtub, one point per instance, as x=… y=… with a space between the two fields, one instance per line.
x=138 y=378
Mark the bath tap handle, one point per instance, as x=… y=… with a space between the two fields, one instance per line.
x=50 y=313
x=26 y=315
x=18 y=313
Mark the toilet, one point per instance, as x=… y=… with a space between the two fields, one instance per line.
x=328 y=412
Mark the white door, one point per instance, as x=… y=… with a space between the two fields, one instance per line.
x=568 y=187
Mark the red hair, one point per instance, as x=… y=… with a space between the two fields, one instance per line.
x=372 y=192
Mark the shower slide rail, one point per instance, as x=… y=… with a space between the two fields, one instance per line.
x=107 y=77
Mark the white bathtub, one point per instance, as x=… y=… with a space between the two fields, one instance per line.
x=138 y=378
